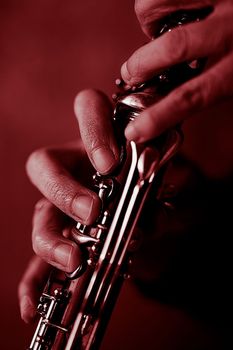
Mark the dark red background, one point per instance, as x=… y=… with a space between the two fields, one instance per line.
x=51 y=49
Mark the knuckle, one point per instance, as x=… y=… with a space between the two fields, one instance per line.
x=54 y=182
x=36 y=242
x=54 y=191
x=40 y=204
x=216 y=85
x=35 y=160
x=155 y=125
x=50 y=180
x=85 y=95
x=60 y=197
x=41 y=246
x=35 y=245
x=139 y=9
x=146 y=13
x=21 y=287
x=177 y=44
x=191 y=97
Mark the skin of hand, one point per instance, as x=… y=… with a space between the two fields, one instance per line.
x=62 y=175
x=211 y=37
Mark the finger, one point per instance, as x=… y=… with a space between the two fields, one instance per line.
x=48 y=173
x=184 y=43
x=48 y=241
x=94 y=113
x=150 y=12
x=209 y=88
x=31 y=286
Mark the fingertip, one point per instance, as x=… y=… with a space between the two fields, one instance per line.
x=125 y=73
x=149 y=125
x=131 y=132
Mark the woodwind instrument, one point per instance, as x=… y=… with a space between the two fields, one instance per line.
x=75 y=307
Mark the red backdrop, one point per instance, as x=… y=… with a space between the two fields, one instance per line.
x=49 y=51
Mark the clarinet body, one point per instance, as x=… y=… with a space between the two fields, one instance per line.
x=75 y=308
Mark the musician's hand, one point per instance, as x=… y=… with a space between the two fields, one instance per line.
x=31 y=287
x=62 y=175
x=211 y=37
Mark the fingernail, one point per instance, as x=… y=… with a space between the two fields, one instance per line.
x=82 y=207
x=131 y=133
x=104 y=159
x=62 y=255
x=66 y=256
x=27 y=309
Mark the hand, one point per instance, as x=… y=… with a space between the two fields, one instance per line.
x=62 y=175
x=161 y=234
x=211 y=37
x=55 y=171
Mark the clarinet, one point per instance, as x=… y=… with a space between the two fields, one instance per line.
x=75 y=307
